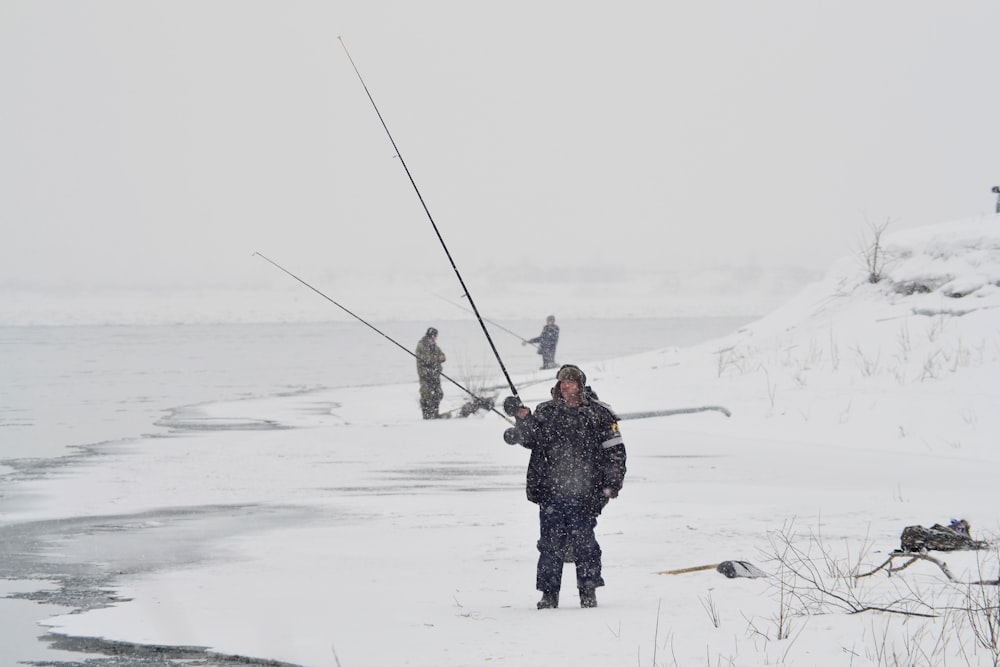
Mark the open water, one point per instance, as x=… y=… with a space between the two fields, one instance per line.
x=79 y=385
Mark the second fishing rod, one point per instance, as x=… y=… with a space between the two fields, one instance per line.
x=427 y=211
x=479 y=402
x=524 y=341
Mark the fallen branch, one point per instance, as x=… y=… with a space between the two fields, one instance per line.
x=914 y=557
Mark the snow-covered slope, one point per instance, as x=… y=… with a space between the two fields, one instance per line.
x=908 y=362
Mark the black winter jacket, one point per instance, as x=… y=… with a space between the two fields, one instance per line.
x=576 y=453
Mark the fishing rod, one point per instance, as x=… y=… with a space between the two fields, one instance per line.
x=499 y=326
x=479 y=400
x=431 y=218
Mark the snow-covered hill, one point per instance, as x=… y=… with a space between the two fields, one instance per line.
x=910 y=362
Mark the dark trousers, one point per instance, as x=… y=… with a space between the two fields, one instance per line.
x=565 y=523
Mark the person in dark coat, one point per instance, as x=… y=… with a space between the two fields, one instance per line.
x=547 y=341
x=577 y=465
x=429 y=359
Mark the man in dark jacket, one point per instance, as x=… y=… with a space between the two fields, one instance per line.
x=547 y=342
x=577 y=464
x=429 y=359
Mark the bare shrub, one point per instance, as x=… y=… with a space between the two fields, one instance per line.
x=708 y=604
x=834 y=351
x=771 y=387
x=867 y=364
x=872 y=251
x=731 y=359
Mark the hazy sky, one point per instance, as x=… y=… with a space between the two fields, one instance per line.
x=162 y=143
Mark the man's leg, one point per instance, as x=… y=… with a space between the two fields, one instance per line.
x=551 y=546
x=428 y=403
x=435 y=403
x=587 y=555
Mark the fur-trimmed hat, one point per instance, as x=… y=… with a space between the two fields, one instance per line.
x=571 y=372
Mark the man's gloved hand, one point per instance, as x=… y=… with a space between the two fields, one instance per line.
x=511 y=405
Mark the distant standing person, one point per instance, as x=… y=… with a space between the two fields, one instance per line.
x=547 y=341
x=429 y=360
x=577 y=465
x=996 y=189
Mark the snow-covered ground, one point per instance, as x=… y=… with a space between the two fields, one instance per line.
x=335 y=527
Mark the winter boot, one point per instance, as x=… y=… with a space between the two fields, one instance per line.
x=588 y=598
x=550 y=600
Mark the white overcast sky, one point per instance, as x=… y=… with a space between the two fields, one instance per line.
x=161 y=143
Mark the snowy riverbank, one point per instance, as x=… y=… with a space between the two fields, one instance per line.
x=348 y=532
